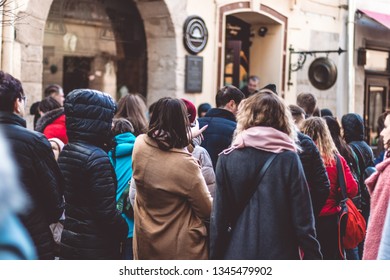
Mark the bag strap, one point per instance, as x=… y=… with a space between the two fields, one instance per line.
x=362 y=156
x=252 y=189
x=121 y=203
x=341 y=177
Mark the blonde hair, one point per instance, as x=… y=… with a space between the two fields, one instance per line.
x=265 y=109
x=317 y=129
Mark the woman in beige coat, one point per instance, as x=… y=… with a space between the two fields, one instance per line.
x=172 y=200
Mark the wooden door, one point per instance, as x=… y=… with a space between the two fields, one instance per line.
x=232 y=63
x=76 y=72
x=376 y=101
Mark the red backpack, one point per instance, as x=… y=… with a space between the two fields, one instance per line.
x=351 y=223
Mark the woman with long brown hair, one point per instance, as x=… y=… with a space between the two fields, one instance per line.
x=172 y=200
x=132 y=107
x=349 y=155
x=327 y=228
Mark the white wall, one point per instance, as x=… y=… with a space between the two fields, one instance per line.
x=265 y=55
x=207 y=11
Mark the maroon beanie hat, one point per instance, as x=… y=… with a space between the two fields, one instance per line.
x=191 y=110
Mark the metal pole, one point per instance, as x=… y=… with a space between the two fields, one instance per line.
x=351 y=52
x=8 y=37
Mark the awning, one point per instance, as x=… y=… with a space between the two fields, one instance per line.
x=383 y=19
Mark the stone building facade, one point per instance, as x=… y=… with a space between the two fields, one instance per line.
x=138 y=45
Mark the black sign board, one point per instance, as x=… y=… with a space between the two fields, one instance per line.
x=194 y=74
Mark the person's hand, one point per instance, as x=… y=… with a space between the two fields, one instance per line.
x=196 y=131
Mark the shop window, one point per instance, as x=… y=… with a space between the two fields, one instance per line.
x=376 y=60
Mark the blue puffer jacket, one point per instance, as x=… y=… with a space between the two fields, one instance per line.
x=121 y=159
x=219 y=134
x=93 y=228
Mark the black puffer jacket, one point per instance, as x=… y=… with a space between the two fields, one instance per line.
x=315 y=172
x=93 y=228
x=41 y=178
x=353 y=126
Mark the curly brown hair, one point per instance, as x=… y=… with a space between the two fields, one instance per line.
x=265 y=109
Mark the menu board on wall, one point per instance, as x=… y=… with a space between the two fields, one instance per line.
x=194 y=74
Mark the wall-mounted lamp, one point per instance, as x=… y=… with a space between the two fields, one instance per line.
x=362 y=57
x=262 y=31
x=293 y=67
x=53 y=68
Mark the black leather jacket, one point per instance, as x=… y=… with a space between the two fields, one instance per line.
x=41 y=178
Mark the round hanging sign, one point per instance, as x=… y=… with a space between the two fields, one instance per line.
x=322 y=73
x=195 y=34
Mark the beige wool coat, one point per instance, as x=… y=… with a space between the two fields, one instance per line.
x=171 y=203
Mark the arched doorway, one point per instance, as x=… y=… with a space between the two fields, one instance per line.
x=161 y=52
x=95 y=44
x=252 y=41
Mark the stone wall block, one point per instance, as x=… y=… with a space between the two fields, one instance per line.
x=152 y=9
x=29 y=30
x=157 y=93
x=33 y=92
x=162 y=79
x=159 y=28
x=36 y=8
x=31 y=53
x=32 y=72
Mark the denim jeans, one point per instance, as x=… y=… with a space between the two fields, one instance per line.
x=127 y=253
x=352 y=254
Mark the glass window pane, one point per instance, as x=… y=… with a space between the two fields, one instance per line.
x=376 y=60
x=376 y=109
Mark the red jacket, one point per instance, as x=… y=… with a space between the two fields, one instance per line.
x=331 y=206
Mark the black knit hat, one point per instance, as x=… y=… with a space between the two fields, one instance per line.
x=271 y=87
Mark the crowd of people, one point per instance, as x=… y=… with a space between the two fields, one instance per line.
x=251 y=178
